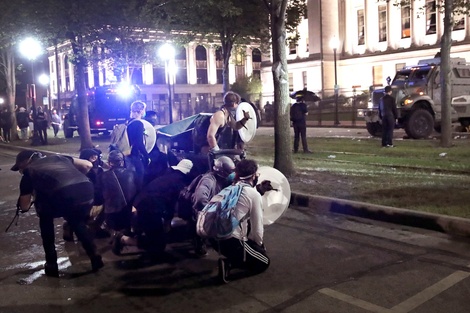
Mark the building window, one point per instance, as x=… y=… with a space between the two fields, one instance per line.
x=459 y=21
x=377 y=74
x=399 y=66
x=382 y=23
x=291 y=82
x=292 y=47
x=405 y=21
x=430 y=17
x=360 y=27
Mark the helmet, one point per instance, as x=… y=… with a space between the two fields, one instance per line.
x=224 y=166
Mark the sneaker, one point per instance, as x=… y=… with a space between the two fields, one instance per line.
x=117 y=244
x=67 y=234
x=51 y=270
x=308 y=151
x=390 y=146
x=96 y=263
x=223 y=270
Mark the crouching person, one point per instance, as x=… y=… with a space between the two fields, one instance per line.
x=116 y=189
x=155 y=208
x=245 y=249
x=61 y=189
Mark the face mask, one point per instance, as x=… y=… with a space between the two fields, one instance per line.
x=231 y=178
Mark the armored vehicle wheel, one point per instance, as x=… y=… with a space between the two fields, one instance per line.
x=419 y=124
x=374 y=129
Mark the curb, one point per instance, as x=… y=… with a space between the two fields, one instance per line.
x=455 y=226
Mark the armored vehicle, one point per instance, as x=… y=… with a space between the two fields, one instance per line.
x=417 y=91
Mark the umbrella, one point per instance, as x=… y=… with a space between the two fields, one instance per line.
x=307 y=95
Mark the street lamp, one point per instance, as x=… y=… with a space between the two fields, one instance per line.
x=167 y=53
x=334 y=44
x=31 y=49
x=44 y=80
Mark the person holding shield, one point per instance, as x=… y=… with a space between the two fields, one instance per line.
x=223 y=125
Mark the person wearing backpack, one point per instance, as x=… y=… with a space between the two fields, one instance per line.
x=139 y=158
x=208 y=186
x=298 y=117
x=116 y=190
x=244 y=249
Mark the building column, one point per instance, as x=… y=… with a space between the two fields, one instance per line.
x=191 y=63
x=211 y=66
x=249 y=62
x=330 y=29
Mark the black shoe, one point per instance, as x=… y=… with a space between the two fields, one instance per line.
x=117 y=244
x=199 y=247
x=307 y=151
x=223 y=270
x=96 y=263
x=51 y=270
x=67 y=232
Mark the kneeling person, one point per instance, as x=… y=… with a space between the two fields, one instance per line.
x=245 y=248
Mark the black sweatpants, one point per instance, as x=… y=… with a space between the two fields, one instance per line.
x=246 y=255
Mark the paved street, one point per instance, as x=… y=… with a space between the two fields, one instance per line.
x=320 y=263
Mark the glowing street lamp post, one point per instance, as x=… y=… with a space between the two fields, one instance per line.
x=167 y=53
x=44 y=80
x=31 y=49
x=334 y=43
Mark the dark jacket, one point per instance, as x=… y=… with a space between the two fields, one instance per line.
x=161 y=194
x=116 y=189
x=208 y=186
x=298 y=112
x=387 y=107
x=22 y=118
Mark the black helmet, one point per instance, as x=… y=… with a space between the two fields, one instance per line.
x=224 y=166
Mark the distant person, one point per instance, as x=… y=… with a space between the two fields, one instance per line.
x=41 y=124
x=245 y=248
x=61 y=189
x=6 y=122
x=298 y=117
x=55 y=122
x=223 y=124
x=22 y=119
x=151 y=117
x=388 y=114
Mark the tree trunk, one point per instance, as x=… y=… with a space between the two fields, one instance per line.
x=8 y=69
x=83 y=119
x=282 y=138
x=445 y=79
x=226 y=52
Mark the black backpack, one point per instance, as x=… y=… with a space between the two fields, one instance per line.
x=199 y=134
x=184 y=205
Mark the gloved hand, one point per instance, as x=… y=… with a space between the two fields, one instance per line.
x=246 y=115
x=264 y=187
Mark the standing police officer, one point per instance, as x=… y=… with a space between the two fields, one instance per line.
x=388 y=114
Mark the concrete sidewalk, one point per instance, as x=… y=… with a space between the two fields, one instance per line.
x=451 y=225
